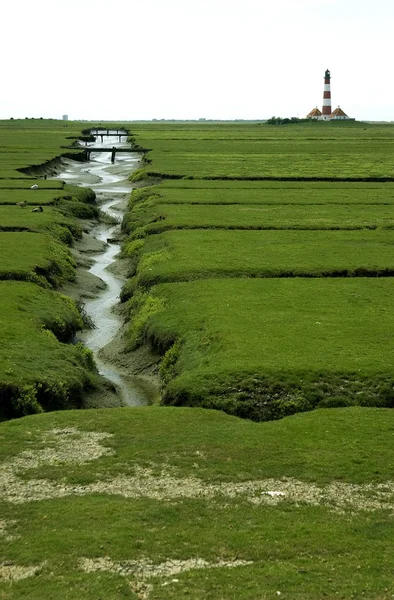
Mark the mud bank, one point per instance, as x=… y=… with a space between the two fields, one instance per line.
x=100 y=278
x=52 y=167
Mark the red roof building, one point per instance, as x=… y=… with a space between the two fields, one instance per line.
x=338 y=114
x=314 y=114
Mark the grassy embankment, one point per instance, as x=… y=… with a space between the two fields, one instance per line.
x=39 y=368
x=265 y=348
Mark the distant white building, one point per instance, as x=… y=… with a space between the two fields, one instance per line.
x=65 y=117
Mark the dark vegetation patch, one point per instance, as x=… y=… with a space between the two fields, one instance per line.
x=79 y=203
x=269 y=396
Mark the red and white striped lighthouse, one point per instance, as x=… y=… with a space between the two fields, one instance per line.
x=326 y=111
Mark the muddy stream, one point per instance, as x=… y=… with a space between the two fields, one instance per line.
x=112 y=188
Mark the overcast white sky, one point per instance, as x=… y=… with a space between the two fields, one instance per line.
x=221 y=59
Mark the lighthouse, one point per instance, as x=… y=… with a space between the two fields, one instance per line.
x=326 y=110
x=327 y=114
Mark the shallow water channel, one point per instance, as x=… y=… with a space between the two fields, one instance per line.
x=112 y=188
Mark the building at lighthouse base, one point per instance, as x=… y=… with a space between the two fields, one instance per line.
x=314 y=114
x=337 y=115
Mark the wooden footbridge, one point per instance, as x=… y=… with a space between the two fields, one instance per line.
x=108 y=133
x=119 y=133
x=113 y=150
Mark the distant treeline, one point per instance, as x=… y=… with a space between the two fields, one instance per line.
x=285 y=121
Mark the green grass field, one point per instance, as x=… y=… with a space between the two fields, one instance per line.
x=313 y=163
x=46 y=184
x=186 y=255
x=31 y=197
x=195 y=234
x=307 y=151
x=264 y=348
x=34 y=142
x=35 y=257
x=266 y=192
x=13 y=218
x=174 y=502
x=179 y=503
x=157 y=218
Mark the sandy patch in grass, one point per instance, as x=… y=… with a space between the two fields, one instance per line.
x=4 y=526
x=143 y=570
x=70 y=446
x=62 y=446
x=58 y=447
x=11 y=572
x=337 y=496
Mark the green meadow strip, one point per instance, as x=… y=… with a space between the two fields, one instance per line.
x=30 y=197
x=145 y=219
x=186 y=255
x=211 y=187
x=25 y=184
x=347 y=154
x=264 y=348
x=30 y=143
x=306 y=193
x=328 y=167
x=38 y=369
x=64 y=229
x=35 y=257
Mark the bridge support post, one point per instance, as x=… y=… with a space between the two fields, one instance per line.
x=113 y=154
x=102 y=138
